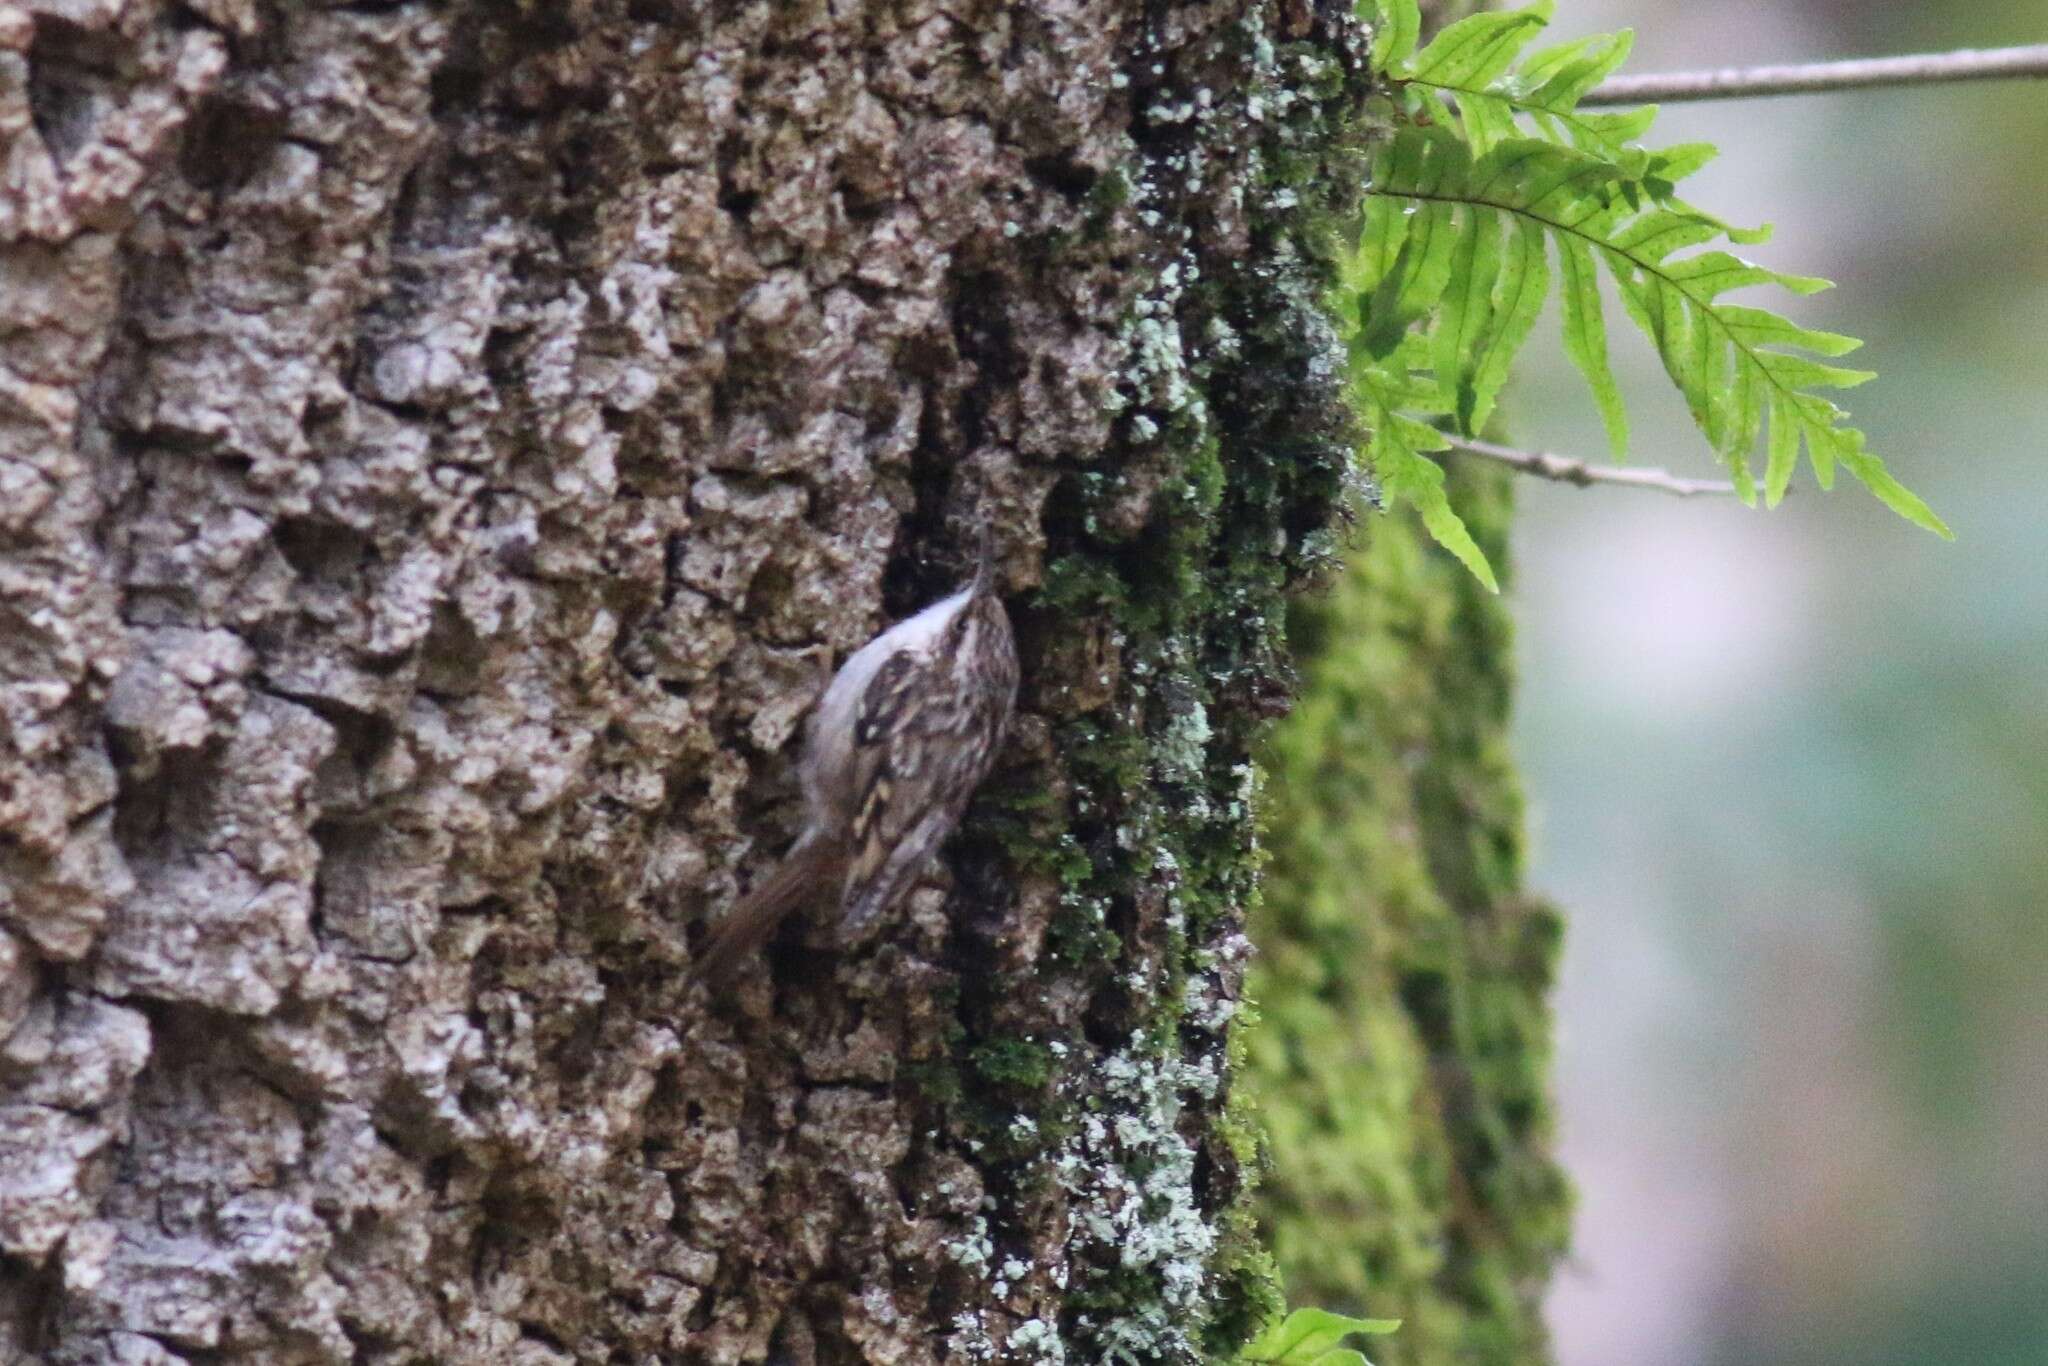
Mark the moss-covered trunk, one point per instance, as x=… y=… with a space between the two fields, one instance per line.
x=1401 y=1061
x=443 y=450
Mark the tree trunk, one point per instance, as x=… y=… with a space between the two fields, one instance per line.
x=1401 y=1060
x=444 y=449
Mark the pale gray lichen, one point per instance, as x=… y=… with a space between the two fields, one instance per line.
x=973 y=1249
x=1184 y=748
x=970 y=1340
x=1135 y=1206
x=1038 y=1342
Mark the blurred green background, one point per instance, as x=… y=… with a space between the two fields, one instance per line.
x=1788 y=773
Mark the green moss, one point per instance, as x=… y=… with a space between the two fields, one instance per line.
x=937 y=1080
x=1402 y=1068
x=1247 y=1288
x=1259 y=465
x=1016 y=1063
x=1109 y=193
x=1081 y=585
x=1247 y=1291
x=1404 y=1090
x=1402 y=1065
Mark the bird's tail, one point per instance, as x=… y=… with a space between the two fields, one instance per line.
x=811 y=870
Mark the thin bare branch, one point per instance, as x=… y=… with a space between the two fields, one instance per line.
x=1568 y=471
x=1735 y=82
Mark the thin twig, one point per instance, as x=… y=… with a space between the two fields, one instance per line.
x=1733 y=82
x=1568 y=471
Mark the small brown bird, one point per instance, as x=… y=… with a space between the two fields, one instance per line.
x=905 y=733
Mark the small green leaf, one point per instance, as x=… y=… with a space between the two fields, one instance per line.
x=1559 y=77
x=1474 y=51
x=1399 y=25
x=1585 y=338
x=1379 y=245
x=1425 y=266
x=1817 y=425
x=1518 y=294
x=1711 y=377
x=1784 y=450
x=1677 y=162
x=1746 y=407
x=1713 y=273
x=1489 y=121
x=1467 y=312
x=1799 y=372
x=1755 y=327
x=1871 y=473
x=1414 y=478
x=1312 y=1337
x=1657 y=232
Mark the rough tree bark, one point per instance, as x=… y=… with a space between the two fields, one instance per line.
x=444 y=447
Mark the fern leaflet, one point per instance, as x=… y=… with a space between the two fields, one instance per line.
x=1314 y=1337
x=1490 y=168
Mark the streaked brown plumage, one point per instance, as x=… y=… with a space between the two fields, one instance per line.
x=901 y=739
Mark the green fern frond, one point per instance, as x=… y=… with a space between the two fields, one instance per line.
x=1496 y=164
x=1390 y=396
x=1724 y=359
x=1469 y=62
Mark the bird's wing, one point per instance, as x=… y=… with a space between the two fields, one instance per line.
x=893 y=744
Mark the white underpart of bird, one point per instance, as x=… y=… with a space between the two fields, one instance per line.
x=832 y=725
x=894 y=751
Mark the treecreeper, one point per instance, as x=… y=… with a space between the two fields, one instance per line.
x=892 y=755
